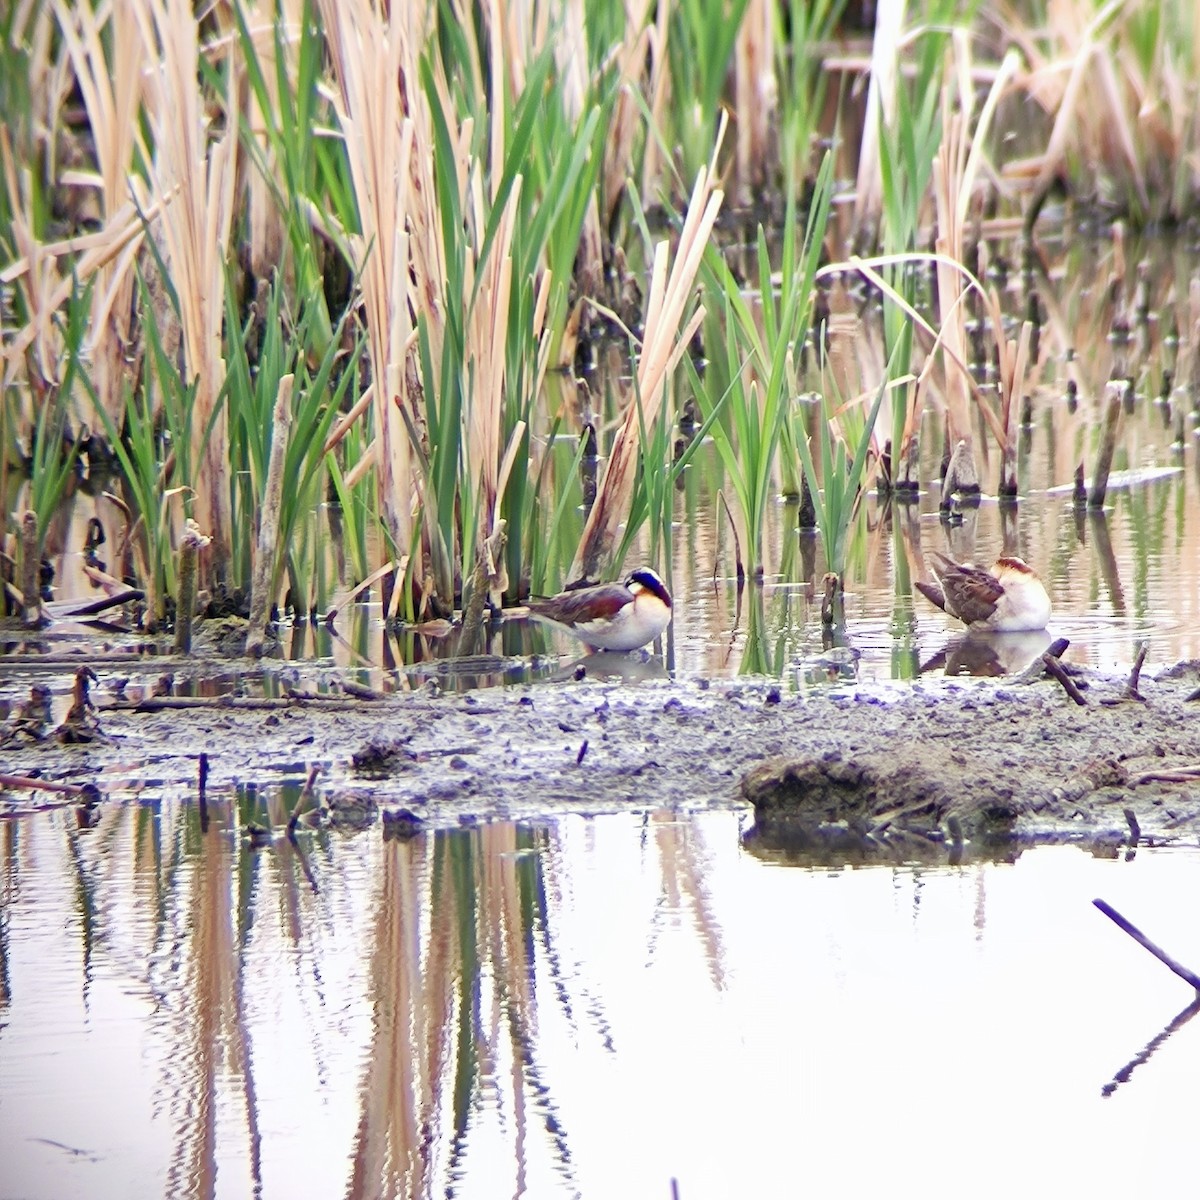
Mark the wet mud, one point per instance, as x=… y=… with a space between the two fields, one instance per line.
x=900 y=772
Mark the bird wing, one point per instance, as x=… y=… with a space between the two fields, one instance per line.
x=584 y=604
x=970 y=593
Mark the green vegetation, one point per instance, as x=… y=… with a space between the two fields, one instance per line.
x=421 y=223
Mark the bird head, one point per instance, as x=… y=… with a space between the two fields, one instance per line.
x=644 y=579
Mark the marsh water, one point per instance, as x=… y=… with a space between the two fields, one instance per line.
x=612 y=1006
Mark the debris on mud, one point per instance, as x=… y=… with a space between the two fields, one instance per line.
x=908 y=770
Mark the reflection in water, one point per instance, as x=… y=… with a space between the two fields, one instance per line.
x=593 y=1007
x=988 y=654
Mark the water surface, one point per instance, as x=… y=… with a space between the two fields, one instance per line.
x=589 y=1007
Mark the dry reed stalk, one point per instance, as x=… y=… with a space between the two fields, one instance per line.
x=196 y=172
x=880 y=110
x=35 y=270
x=756 y=93
x=570 y=52
x=1014 y=363
x=660 y=95
x=952 y=189
x=1076 y=81
x=955 y=170
x=374 y=66
x=486 y=361
x=265 y=235
x=32 y=352
x=268 y=519
x=618 y=146
x=662 y=347
x=111 y=87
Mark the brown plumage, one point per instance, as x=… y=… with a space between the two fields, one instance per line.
x=1009 y=598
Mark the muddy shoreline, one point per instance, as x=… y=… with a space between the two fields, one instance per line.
x=923 y=770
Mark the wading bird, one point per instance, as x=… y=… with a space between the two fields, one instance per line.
x=611 y=616
x=1009 y=598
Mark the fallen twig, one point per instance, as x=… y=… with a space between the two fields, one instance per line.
x=163 y=703
x=1055 y=670
x=1143 y=941
x=1177 y=775
x=32 y=783
x=63 y=609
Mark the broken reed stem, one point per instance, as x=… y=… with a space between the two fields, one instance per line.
x=1143 y=941
x=489 y=559
x=192 y=543
x=302 y=801
x=31 y=594
x=473 y=613
x=1130 y=691
x=268 y=527
x=1108 y=442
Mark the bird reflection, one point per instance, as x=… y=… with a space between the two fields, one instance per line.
x=613 y=667
x=988 y=655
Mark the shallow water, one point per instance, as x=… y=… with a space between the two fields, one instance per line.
x=589 y=1007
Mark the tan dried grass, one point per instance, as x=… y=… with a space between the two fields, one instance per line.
x=666 y=340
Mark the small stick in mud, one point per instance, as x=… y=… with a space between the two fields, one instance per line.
x=1143 y=941
x=201 y=791
x=1056 y=671
x=192 y=542
x=1130 y=690
x=1135 y=830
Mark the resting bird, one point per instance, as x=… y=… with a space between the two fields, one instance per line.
x=611 y=616
x=1009 y=598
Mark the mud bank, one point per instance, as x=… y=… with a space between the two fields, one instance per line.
x=910 y=769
